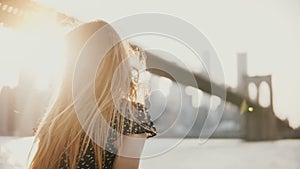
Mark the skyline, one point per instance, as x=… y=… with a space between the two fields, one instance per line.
x=268 y=31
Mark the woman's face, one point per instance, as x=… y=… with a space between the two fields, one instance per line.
x=137 y=61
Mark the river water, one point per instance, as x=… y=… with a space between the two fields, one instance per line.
x=187 y=154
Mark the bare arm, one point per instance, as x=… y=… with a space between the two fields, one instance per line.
x=129 y=152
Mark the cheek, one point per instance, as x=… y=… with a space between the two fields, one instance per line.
x=136 y=62
x=138 y=67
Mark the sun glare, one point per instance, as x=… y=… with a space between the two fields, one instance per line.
x=36 y=50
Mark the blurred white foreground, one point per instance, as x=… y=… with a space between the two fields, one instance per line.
x=189 y=154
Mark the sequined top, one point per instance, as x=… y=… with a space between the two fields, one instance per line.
x=89 y=161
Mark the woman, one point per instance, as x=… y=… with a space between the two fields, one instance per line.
x=72 y=136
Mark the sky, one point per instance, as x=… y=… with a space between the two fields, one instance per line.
x=268 y=30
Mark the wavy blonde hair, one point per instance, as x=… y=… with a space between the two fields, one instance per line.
x=61 y=131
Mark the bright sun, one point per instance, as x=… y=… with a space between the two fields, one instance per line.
x=36 y=51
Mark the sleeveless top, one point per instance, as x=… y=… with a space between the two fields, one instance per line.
x=89 y=161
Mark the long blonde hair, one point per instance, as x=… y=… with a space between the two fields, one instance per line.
x=61 y=130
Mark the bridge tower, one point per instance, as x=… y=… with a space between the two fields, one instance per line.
x=259 y=123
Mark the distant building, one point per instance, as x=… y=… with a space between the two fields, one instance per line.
x=7 y=108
